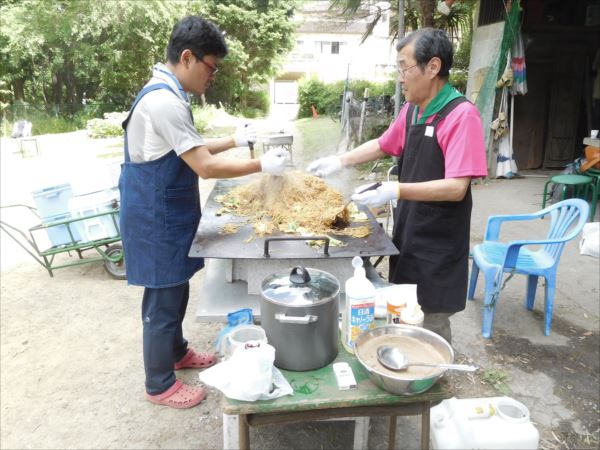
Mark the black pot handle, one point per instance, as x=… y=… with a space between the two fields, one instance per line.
x=297 y=238
x=299 y=275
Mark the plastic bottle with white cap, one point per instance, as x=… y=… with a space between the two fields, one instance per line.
x=359 y=313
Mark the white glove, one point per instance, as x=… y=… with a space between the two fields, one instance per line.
x=244 y=135
x=383 y=194
x=443 y=8
x=274 y=161
x=323 y=167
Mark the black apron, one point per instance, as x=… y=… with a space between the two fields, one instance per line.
x=432 y=237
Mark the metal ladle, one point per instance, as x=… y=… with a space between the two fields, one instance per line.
x=394 y=359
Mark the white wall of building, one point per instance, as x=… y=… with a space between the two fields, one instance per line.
x=331 y=56
x=327 y=56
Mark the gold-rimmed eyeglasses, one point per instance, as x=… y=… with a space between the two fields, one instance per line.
x=403 y=71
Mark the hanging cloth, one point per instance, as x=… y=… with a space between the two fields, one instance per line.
x=506 y=166
x=517 y=64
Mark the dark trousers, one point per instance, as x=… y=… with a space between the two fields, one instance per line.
x=163 y=311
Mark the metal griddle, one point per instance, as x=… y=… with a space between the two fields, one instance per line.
x=208 y=243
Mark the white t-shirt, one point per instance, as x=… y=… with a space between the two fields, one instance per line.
x=161 y=122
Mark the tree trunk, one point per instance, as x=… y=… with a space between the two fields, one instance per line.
x=19 y=89
x=57 y=82
x=427 y=9
x=70 y=85
x=243 y=92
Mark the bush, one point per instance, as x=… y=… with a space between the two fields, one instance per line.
x=110 y=126
x=314 y=92
x=327 y=98
x=458 y=79
x=203 y=115
x=258 y=103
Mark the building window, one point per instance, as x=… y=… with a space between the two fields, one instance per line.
x=335 y=48
x=491 y=11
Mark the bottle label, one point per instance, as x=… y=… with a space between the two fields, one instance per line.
x=393 y=313
x=362 y=318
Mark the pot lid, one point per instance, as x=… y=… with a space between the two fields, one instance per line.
x=300 y=287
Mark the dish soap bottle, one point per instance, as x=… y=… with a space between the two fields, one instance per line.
x=359 y=313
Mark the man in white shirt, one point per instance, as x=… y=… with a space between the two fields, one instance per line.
x=160 y=201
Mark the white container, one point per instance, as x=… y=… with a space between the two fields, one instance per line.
x=359 y=313
x=52 y=201
x=398 y=297
x=243 y=336
x=59 y=234
x=94 y=228
x=412 y=315
x=482 y=423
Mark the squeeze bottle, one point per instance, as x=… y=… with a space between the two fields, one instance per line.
x=359 y=313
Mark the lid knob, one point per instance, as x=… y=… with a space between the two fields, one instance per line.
x=299 y=275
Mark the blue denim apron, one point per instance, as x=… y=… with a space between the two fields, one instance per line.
x=160 y=212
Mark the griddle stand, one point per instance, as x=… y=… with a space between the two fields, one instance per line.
x=218 y=297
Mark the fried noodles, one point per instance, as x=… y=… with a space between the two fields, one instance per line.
x=295 y=202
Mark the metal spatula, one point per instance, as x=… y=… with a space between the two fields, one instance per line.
x=370 y=188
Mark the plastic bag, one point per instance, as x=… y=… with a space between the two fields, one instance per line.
x=590 y=240
x=248 y=375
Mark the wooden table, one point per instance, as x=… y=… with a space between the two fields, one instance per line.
x=317 y=397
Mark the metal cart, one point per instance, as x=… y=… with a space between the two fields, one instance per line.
x=109 y=249
x=278 y=140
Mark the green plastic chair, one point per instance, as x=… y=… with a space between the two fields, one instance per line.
x=595 y=174
x=574 y=186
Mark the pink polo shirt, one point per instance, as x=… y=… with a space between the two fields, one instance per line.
x=460 y=136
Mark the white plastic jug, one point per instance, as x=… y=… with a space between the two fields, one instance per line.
x=482 y=423
x=243 y=335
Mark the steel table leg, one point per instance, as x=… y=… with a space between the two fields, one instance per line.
x=231 y=431
x=392 y=433
x=244 y=432
x=425 y=415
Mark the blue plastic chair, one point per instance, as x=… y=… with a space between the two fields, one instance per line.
x=495 y=258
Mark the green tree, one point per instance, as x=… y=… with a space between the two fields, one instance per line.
x=56 y=52
x=259 y=34
x=417 y=14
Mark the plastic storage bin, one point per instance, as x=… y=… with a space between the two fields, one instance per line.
x=59 y=234
x=95 y=228
x=52 y=201
x=482 y=423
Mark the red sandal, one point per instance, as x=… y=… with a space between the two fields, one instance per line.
x=195 y=360
x=180 y=396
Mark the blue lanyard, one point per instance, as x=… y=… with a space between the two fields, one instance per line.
x=177 y=83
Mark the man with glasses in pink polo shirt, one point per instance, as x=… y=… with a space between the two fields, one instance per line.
x=438 y=137
x=160 y=200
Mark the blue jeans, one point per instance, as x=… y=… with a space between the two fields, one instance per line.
x=163 y=311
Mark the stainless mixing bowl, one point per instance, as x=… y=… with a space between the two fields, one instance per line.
x=397 y=384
